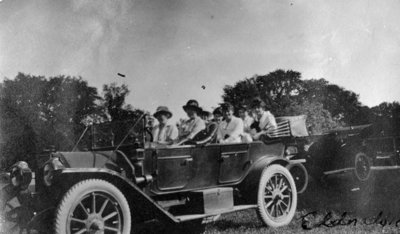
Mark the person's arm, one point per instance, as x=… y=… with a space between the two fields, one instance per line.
x=198 y=126
x=269 y=126
x=237 y=131
x=173 y=134
x=219 y=133
x=271 y=123
x=155 y=133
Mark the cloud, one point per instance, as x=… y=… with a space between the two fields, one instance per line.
x=53 y=37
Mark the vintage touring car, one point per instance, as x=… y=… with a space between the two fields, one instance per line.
x=353 y=157
x=114 y=180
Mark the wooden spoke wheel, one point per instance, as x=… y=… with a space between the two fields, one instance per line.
x=277 y=196
x=362 y=167
x=93 y=206
x=300 y=176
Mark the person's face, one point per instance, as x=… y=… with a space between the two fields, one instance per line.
x=207 y=118
x=227 y=114
x=258 y=110
x=218 y=118
x=242 y=114
x=150 y=121
x=191 y=113
x=162 y=118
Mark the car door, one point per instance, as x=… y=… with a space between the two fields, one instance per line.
x=174 y=167
x=232 y=162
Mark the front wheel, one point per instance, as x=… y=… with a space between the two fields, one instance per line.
x=93 y=206
x=277 y=196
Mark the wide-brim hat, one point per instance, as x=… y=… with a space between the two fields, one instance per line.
x=163 y=110
x=192 y=105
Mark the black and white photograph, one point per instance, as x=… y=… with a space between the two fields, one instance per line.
x=199 y=116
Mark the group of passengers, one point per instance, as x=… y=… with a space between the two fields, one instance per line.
x=230 y=129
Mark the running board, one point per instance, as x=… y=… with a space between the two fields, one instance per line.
x=183 y=218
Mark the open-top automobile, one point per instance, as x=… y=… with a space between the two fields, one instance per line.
x=115 y=180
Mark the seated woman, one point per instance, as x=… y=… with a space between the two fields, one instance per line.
x=217 y=113
x=206 y=116
x=266 y=121
x=231 y=129
x=164 y=133
x=247 y=119
x=194 y=125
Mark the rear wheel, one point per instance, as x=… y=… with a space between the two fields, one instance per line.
x=362 y=165
x=277 y=196
x=300 y=176
x=93 y=206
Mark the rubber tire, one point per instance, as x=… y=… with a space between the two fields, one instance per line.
x=82 y=188
x=357 y=176
x=306 y=179
x=265 y=176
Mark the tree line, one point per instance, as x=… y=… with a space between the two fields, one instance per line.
x=37 y=112
x=326 y=105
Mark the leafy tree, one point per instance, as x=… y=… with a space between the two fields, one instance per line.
x=36 y=112
x=344 y=105
x=69 y=100
x=279 y=89
x=118 y=110
x=319 y=120
x=19 y=100
x=284 y=90
x=114 y=98
x=386 y=118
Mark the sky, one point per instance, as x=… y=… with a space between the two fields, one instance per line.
x=169 y=49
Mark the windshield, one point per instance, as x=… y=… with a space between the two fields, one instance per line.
x=112 y=135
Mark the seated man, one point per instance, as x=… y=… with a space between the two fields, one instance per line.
x=165 y=133
x=266 y=121
x=194 y=125
x=231 y=129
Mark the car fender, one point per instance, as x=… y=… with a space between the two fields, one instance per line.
x=135 y=196
x=250 y=183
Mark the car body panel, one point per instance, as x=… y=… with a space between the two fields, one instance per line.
x=200 y=167
x=333 y=155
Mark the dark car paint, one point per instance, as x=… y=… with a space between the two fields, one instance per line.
x=150 y=178
x=183 y=168
x=333 y=155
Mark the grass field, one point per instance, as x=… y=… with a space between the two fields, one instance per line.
x=375 y=211
x=365 y=207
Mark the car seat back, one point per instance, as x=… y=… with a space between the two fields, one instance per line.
x=207 y=135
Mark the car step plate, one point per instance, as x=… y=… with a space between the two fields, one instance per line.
x=183 y=218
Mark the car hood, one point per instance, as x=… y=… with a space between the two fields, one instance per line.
x=91 y=159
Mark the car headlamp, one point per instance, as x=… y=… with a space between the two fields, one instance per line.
x=49 y=168
x=20 y=175
x=291 y=150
